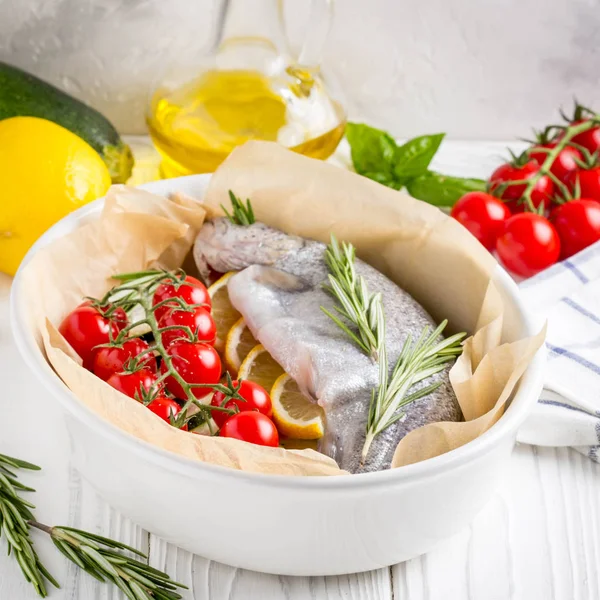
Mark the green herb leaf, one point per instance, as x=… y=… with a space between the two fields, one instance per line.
x=442 y=190
x=376 y=155
x=364 y=310
x=356 y=304
x=373 y=152
x=15 y=513
x=95 y=555
x=384 y=179
x=413 y=158
x=241 y=214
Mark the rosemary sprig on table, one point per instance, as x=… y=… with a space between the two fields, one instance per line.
x=241 y=214
x=99 y=556
x=102 y=559
x=15 y=512
x=364 y=311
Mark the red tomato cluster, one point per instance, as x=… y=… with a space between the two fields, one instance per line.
x=528 y=242
x=187 y=331
x=253 y=421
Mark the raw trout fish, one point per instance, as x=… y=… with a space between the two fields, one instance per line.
x=279 y=292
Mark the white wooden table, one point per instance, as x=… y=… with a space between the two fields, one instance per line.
x=538 y=539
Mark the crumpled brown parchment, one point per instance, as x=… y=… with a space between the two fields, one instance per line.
x=421 y=249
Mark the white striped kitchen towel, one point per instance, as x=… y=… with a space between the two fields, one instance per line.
x=568 y=411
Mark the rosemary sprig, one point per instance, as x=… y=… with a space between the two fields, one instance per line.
x=356 y=304
x=417 y=361
x=15 y=512
x=241 y=214
x=99 y=556
x=102 y=558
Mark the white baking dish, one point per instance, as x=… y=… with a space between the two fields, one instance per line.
x=285 y=525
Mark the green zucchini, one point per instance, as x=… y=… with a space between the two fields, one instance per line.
x=24 y=95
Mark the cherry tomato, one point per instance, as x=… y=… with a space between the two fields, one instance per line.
x=195 y=363
x=529 y=244
x=483 y=215
x=166 y=408
x=578 y=225
x=190 y=290
x=252 y=427
x=542 y=193
x=255 y=396
x=589 y=139
x=117 y=315
x=589 y=183
x=85 y=328
x=199 y=320
x=133 y=384
x=112 y=359
x=564 y=164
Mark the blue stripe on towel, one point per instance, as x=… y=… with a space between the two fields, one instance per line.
x=575 y=271
x=568 y=406
x=591 y=316
x=574 y=357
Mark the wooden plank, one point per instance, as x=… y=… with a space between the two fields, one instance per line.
x=537 y=539
x=91 y=513
x=209 y=580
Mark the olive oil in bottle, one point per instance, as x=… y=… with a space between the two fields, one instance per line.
x=197 y=126
x=250 y=91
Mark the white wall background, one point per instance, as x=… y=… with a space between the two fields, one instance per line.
x=478 y=69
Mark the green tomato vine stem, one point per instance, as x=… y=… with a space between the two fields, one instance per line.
x=141 y=294
x=569 y=132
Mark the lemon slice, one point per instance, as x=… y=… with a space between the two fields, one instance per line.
x=259 y=366
x=238 y=345
x=223 y=312
x=294 y=414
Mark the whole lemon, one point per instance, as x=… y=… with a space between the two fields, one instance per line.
x=45 y=173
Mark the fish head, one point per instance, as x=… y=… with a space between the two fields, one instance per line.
x=224 y=246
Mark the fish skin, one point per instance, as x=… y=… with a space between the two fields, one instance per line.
x=279 y=291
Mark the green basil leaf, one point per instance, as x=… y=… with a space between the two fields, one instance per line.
x=442 y=190
x=372 y=151
x=383 y=178
x=413 y=158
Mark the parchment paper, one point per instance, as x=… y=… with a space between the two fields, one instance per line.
x=413 y=243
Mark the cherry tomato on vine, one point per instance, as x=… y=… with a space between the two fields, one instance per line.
x=190 y=290
x=578 y=225
x=529 y=244
x=542 y=193
x=564 y=164
x=85 y=328
x=195 y=363
x=589 y=139
x=198 y=319
x=252 y=427
x=165 y=408
x=133 y=384
x=112 y=359
x=589 y=183
x=255 y=396
x=483 y=215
